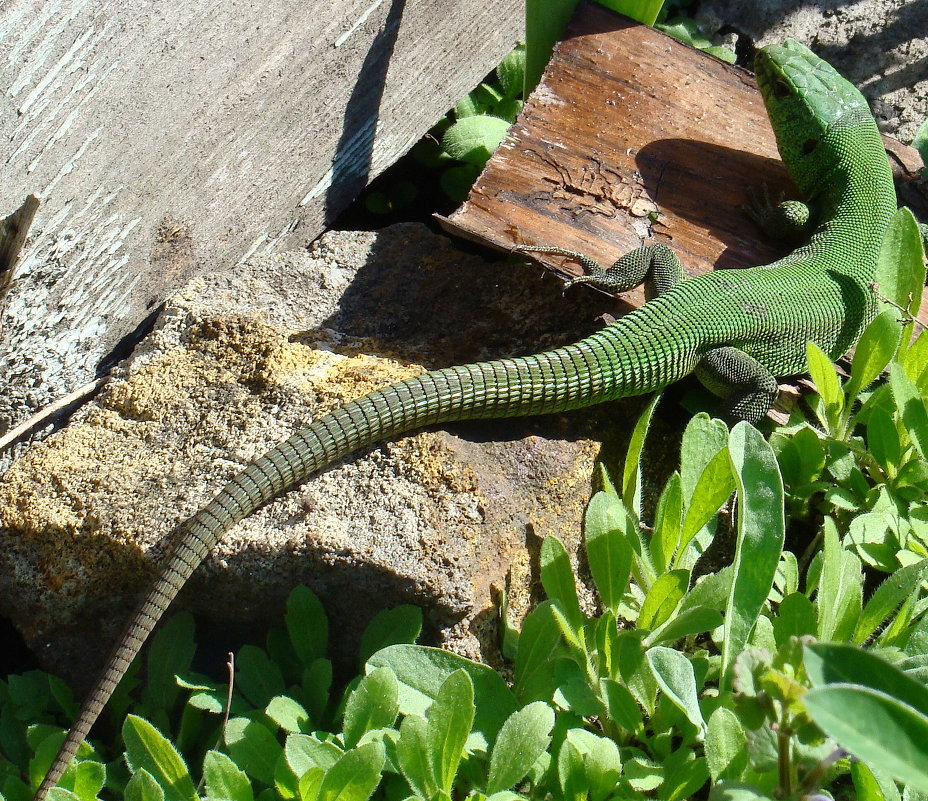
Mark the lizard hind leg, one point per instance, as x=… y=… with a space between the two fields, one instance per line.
x=654 y=265
x=748 y=389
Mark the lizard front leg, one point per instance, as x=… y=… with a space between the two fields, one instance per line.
x=747 y=388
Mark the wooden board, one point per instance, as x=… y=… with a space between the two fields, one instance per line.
x=168 y=139
x=627 y=121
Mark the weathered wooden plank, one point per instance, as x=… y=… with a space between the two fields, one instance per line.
x=625 y=122
x=165 y=139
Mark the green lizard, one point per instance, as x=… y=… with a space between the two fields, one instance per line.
x=738 y=329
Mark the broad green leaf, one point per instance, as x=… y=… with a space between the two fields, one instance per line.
x=662 y=599
x=511 y=71
x=253 y=747
x=887 y=598
x=911 y=408
x=449 y=722
x=88 y=780
x=143 y=787
x=620 y=705
x=601 y=762
x=421 y=672
x=412 y=753
x=609 y=551
x=876 y=347
x=355 y=776
x=726 y=745
x=545 y=22
x=473 y=139
x=399 y=624
x=374 y=704
x=838 y=663
x=883 y=440
x=874 y=727
x=522 y=739
x=316 y=683
x=684 y=774
x=703 y=438
x=224 y=779
x=823 y=373
x=557 y=577
x=171 y=653
x=667 y=520
x=795 y=618
x=571 y=772
x=287 y=714
x=674 y=673
x=538 y=641
x=736 y=791
x=304 y=751
x=307 y=625
x=873 y=785
x=257 y=678
x=761 y=530
x=147 y=748
x=309 y=784
x=900 y=273
x=714 y=486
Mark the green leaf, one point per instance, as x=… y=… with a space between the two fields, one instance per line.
x=412 y=755
x=511 y=71
x=257 y=678
x=473 y=139
x=726 y=745
x=674 y=674
x=688 y=621
x=883 y=440
x=303 y=752
x=143 y=787
x=662 y=599
x=522 y=739
x=795 y=618
x=449 y=722
x=307 y=625
x=609 y=552
x=875 y=727
x=602 y=764
x=355 y=776
x=621 y=705
x=374 y=704
x=421 y=672
x=887 y=597
x=900 y=274
x=840 y=596
x=147 y=748
x=171 y=653
x=823 y=373
x=571 y=772
x=557 y=577
x=876 y=347
x=309 y=784
x=400 y=624
x=714 y=486
x=837 y=663
x=538 y=641
x=911 y=407
x=287 y=714
x=667 y=521
x=224 y=779
x=253 y=747
x=631 y=472
x=761 y=530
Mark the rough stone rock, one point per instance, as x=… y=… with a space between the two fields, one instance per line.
x=238 y=360
x=879 y=45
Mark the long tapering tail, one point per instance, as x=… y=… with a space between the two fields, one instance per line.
x=595 y=369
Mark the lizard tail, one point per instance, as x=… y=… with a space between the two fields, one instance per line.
x=603 y=366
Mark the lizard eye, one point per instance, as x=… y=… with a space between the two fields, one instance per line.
x=808 y=146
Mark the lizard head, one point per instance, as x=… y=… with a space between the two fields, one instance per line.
x=806 y=99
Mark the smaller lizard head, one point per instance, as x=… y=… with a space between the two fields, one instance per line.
x=806 y=100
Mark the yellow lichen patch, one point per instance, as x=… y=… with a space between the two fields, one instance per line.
x=53 y=485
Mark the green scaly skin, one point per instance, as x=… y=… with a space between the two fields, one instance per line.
x=738 y=327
